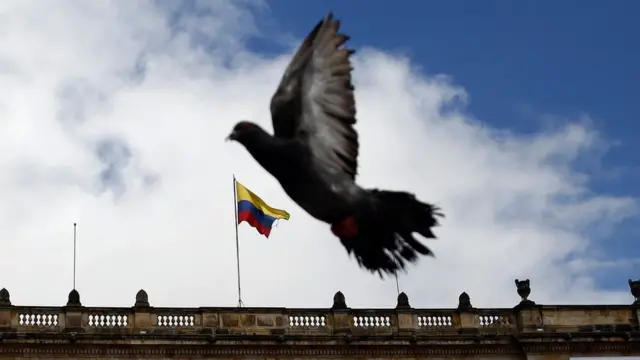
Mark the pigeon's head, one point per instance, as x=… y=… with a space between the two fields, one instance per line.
x=244 y=131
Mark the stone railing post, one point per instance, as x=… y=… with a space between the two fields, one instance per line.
x=467 y=316
x=527 y=313
x=5 y=309
x=74 y=315
x=210 y=321
x=405 y=316
x=634 y=286
x=340 y=320
x=142 y=321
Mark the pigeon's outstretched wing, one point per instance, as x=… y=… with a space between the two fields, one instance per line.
x=315 y=103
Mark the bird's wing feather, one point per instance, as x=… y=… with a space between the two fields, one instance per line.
x=322 y=110
x=284 y=107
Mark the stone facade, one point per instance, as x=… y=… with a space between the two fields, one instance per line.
x=527 y=331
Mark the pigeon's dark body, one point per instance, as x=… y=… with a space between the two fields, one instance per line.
x=313 y=154
x=323 y=196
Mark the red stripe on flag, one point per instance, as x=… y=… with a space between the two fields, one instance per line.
x=251 y=220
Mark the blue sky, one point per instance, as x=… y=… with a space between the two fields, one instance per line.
x=526 y=65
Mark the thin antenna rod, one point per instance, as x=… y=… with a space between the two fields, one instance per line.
x=235 y=212
x=74 y=256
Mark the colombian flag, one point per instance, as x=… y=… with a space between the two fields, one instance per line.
x=256 y=212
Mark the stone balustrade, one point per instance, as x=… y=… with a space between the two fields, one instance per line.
x=526 y=316
x=524 y=325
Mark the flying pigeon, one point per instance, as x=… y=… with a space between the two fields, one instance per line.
x=313 y=154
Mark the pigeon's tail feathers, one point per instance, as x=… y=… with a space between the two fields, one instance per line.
x=380 y=233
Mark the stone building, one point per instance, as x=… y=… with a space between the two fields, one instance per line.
x=526 y=331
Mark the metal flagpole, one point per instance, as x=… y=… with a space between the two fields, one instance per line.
x=235 y=212
x=74 y=256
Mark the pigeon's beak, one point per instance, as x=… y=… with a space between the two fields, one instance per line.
x=231 y=136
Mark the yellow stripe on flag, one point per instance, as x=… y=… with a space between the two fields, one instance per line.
x=245 y=194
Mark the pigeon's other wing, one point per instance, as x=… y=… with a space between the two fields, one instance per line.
x=327 y=103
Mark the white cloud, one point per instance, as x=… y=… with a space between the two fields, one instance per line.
x=78 y=76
